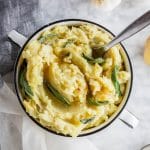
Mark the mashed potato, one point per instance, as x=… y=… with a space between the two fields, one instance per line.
x=64 y=88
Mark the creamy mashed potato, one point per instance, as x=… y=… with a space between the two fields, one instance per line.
x=64 y=88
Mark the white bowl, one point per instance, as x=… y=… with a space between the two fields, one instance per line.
x=124 y=56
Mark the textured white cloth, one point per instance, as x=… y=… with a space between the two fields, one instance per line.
x=34 y=137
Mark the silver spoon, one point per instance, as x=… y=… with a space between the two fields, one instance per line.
x=130 y=30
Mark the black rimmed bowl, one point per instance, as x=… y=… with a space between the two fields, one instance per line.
x=125 y=57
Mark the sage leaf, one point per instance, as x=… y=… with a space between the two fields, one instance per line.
x=92 y=101
x=42 y=39
x=93 y=60
x=57 y=94
x=69 y=41
x=87 y=120
x=25 y=88
x=115 y=81
x=100 y=48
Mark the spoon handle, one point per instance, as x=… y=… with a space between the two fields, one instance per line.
x=130 y=30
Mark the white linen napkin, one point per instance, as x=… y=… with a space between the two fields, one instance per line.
x=34 y=137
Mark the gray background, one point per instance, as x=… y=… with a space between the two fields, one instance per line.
x=26 y=16
x=14 y=14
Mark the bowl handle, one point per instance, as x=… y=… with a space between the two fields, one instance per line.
x=128 y=118
x=16 y=37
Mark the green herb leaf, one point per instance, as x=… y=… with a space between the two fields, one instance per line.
x=92 y=101
x=88 y=120
x=56 y=93
x=115 y=81
x=26 y=89
x=92 y=60
x=100 y=48
x=42 y=39
x=69 y=41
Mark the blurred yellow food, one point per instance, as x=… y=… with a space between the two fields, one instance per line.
x=106 y=5
x=98 y=2
x=57 y=56
x=147 y=52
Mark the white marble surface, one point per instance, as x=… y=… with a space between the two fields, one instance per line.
x=117 y=136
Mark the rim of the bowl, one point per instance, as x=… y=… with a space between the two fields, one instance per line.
x=17 y=90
